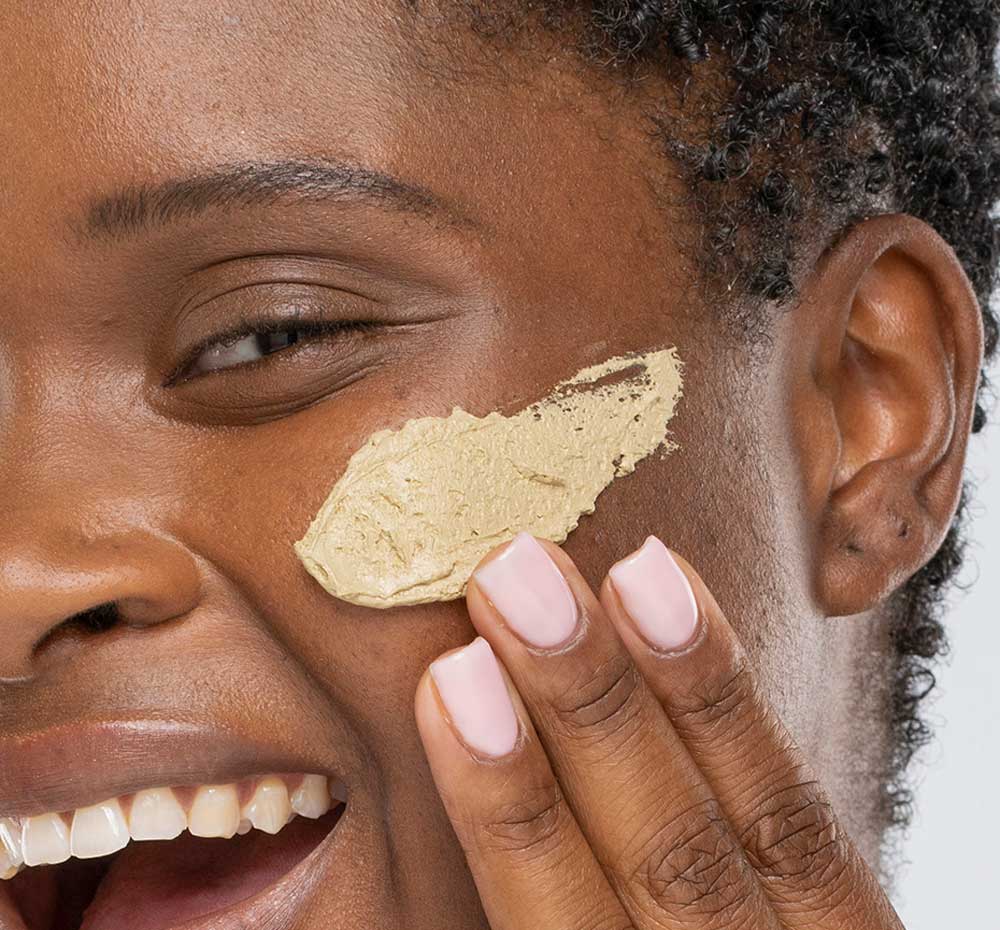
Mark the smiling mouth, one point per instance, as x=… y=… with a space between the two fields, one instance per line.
x=161 y=857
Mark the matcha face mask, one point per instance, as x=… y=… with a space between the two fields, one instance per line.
x=418 y=507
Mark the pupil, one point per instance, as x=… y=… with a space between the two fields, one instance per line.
x=268 y=343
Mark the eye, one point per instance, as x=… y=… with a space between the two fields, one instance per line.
x=241 y=351
x=252 y=344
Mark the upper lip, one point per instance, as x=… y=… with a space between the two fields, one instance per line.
x=67 y=766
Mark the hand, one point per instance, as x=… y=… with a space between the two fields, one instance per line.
x=621 y=786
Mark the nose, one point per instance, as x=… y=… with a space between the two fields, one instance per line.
x=62 y=580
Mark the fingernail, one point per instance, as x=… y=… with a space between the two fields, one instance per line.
x=656 y=594
x=476 y=698
x=531 y=594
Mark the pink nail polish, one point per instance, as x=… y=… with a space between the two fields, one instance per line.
x=476 y=697
x=530 y=592
x=656 y=594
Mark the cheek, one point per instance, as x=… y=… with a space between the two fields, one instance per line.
x=245 y=496
x=249 y=495
x=419 y=507
x=731 y=500
x=721 y=498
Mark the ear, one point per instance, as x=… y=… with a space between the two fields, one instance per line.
x=884 y=358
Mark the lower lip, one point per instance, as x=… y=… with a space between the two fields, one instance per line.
x=279 y=906
x=276 y=907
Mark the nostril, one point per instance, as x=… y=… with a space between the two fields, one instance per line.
x=64 y=589
x=96 y=620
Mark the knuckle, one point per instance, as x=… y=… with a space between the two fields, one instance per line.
x=703 y=709
x=605 y=700
x=693 y=867
x=796 y=835
x=531 y=825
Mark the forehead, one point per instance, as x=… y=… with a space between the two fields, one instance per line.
x=95 y=96
x=124 y=87
x=133 y=94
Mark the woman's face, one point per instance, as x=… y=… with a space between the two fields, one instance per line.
x=498 y=220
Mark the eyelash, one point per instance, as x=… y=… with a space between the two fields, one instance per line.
x=307 y=328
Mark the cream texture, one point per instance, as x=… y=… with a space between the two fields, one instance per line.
x=418 y=507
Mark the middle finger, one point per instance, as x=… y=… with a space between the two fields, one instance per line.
x=648 y=812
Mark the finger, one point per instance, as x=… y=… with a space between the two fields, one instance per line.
x=690 y=655
x=531 y=864
x=647 y=811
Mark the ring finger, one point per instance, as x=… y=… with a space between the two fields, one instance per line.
x=809 y=869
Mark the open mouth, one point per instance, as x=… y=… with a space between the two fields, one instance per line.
x=164 y=857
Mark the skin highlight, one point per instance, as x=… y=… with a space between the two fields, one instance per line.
x=176 y=500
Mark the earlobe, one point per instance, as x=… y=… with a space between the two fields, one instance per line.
x=893 y=333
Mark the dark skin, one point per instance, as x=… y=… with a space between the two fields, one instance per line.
x=810 y=482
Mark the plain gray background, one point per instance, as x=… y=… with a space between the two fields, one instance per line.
x=952 y=875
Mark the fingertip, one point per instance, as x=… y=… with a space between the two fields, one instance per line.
x=708 y=607
x=653 y=592
x=704 y=600
x=532 y=590
x=425 y=705
x=476 y=599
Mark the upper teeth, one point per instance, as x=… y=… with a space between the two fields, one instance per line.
x=157 y=814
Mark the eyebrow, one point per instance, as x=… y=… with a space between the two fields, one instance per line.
x=137 y=208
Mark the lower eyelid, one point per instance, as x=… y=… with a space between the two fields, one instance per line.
x=282 y=394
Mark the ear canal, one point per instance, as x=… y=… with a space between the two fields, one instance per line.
x=874 y=542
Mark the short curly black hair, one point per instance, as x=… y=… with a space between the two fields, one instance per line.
x=805 y=117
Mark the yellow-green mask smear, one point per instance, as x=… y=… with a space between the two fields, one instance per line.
x=418 y=507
